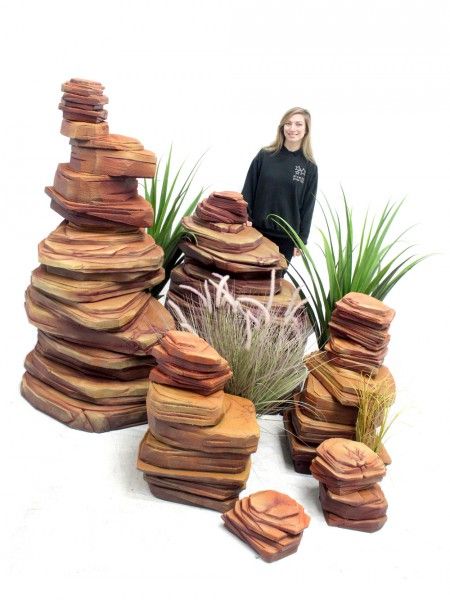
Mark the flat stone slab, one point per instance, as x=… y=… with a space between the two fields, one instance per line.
x=179 y=406
x=67 y=289
x=77 y=249
x=78 y=414
x=95 y=361
x=237 y=432
x=103 y=161
x=137 y=338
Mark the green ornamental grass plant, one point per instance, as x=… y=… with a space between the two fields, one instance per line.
x=168 y=200
x=369 y=262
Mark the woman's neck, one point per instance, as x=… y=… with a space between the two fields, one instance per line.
x=292 y=147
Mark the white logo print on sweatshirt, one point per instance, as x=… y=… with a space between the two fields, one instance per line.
x=299 y=174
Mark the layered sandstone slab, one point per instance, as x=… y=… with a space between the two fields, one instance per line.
x=117 y=163
x=80 y=113
x=77 y=385
x=89 y=188
x=95 y=361
x=229 y=263
x=135 y=211
x=186 y=379
x=77 y=249
x=366 y=525
x=110 y=141
x=182 y=497
x=210 y=489
x=137 y=338
x=350 y=355
x=270 y=522
x=190 y=348
x=188 y=362
x=266 y=254
x=83 y=87
x=312 y=431
x=110 y=314
x=369 y=503
x=82 y=130
x=162 y=455
x=248 y=239
x=223 y=208
x=78 y=414
x=69 y=290
x=181 y=406
x=316 y=402
x=169 y=361
x=83 y=100
x=236 y=433
x=346 y=466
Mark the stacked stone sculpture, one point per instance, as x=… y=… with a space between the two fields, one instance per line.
x=224 y=245
x=349 y=473
x=198 y=445
x=327 y=407
x=96 y=322
x=359 y=333
x=270 y=522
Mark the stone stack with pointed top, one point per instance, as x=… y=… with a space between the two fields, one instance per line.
x=270 y=522
x=96 y=322
x=198 y=445
x=349 y=473
x=224 y=245
x=328 y=405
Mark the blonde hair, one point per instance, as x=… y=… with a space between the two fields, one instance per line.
x=278 y=143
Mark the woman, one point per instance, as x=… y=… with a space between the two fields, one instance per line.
x=282 y=180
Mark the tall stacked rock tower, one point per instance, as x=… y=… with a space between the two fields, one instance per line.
x=96 y=322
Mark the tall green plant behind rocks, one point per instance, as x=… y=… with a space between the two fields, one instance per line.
x=367 y=259
x=170 y=200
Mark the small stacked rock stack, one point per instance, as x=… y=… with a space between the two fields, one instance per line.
x=349 y=473
x=226 y=245
x=270 y=522
x=96 y=324
x=328 y=405
x=198 y=445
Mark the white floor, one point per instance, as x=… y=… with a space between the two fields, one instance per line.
x=78 y=516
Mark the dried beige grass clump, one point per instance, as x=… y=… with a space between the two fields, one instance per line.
x=374 y=421
x=264 y=348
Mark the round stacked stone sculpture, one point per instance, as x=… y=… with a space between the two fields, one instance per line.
x=96 y=322
x=198 y=444
x=224 y=245
x=327 y=406
x=349 y=473
x=270 y=522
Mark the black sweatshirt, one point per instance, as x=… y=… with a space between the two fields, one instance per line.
x=284 y=184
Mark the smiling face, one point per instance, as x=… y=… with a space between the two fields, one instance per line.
x=294 y=130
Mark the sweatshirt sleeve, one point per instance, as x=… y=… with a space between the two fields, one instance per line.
x=251 y=181
x=307 y=209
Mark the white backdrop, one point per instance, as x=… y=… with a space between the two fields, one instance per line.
x=217 y=76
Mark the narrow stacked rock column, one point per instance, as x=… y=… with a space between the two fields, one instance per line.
x=226 y=246
x=349 y=473
x=96 y=322
x=327 y=407
x=270 y=522
x=198 y=445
